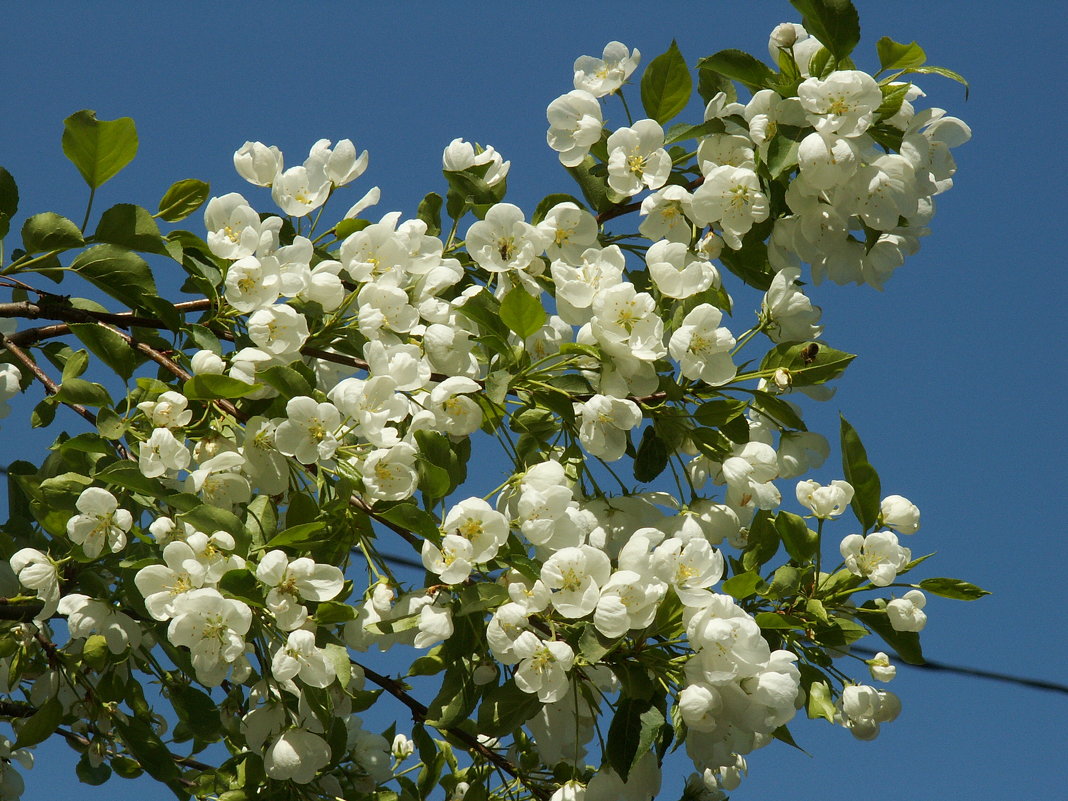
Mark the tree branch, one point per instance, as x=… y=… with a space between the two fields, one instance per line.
x=419 y=713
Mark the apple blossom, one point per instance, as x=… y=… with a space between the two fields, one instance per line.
x=575 y=125
x=637 y=159
x=605 y=75
x=877 y=557
x=906 y=613
x=101 y=522
x=543 y=666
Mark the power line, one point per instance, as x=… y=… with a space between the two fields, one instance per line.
x=1037 y=684
x=939 y=667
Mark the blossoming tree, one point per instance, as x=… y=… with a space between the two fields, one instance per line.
x=535 y=456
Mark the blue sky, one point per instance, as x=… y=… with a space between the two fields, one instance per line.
x=958 y=391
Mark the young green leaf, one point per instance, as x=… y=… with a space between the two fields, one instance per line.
x=99 y=148
x=429 y=211
x=652 y=456
x=867 y=491
x=666 y=85
x=834 y=22
x=953 y=588
x=209 y=386
x=50 y=231
x=897 y=56
x=131 y=227
x=808 y=363
x=118 y=272
x=182 y=199
x=522 y=312
x=109 y=347
x=737 y=65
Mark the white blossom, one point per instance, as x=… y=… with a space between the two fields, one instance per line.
x=101 y=522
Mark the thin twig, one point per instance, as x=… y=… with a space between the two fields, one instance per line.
x=419 y=714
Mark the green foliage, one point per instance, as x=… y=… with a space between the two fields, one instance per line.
x=99 y=148
x=867 y=491
x=834 y=22
x=666 y=85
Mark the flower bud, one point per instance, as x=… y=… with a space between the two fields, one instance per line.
x=900 y=514
x=785 y=34
x=880 y=667
x=206 y=362
x=402 y=748
x=257 y=163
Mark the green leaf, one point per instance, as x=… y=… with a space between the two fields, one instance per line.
x=808 y=363
x=99 y=148
x=953 y=588
x=196 y=710
x=635 y=727
x=715 y=413
x=147 y=748
x=86 y=393
x=109 y=347
x=300 y=536
x=652 y=457
x=456 y=699
x=182 y=199
x=945 y=73
x=738 y=65
x=50 y=231
x=777 y=409
x=750 y=263
x=205 y=517
x=834 y=22
x=666 y=85
x=411 y=518
x=330 y=612
x=88 y=774
x=128 y=476
x=39 y=726
x=710 y=83
x=819 y=703
x=434 y=481
x=785 y=582
x=209 y=386
x=763 y=542
x=286 y=380
x=109 y=424
x=743 y=585
x=131 y=227
x=893 y=97
x=9 y=194
x=118 y=272
x=261 y=521
x=505 y=708
x=782 y=155
x=897 y=56
x=813 y=362
x=242 y=585
x=800 y=541
x=778 y=621
x=429 y=211
x=867 y=490
x=522 y=312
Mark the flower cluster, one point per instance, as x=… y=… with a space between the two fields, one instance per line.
x=332 y=397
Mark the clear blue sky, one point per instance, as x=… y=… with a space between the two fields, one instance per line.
x=959 y=390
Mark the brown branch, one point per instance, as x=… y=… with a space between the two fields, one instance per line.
x=473 y=746
x=51 y=387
